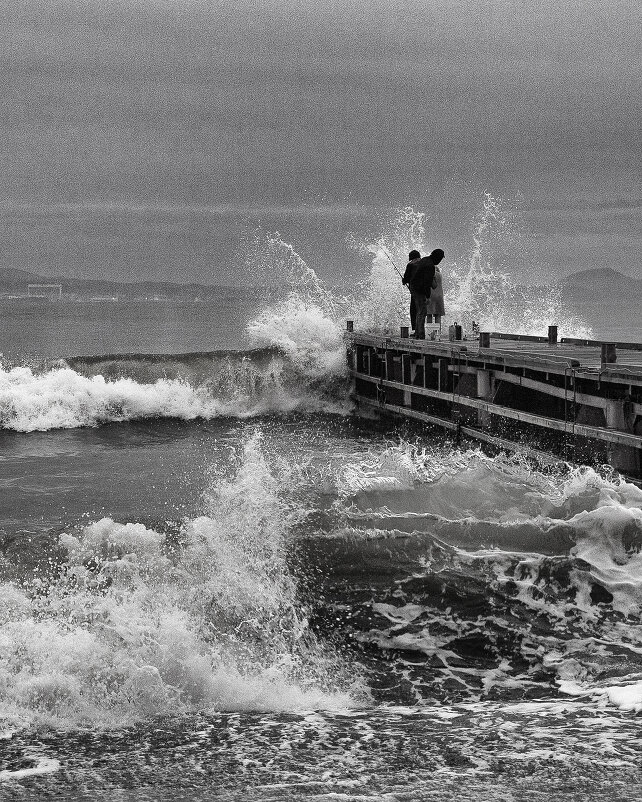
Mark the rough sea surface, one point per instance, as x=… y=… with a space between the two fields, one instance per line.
x=216 y=583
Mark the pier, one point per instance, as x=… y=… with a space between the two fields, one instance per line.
x=568 y=399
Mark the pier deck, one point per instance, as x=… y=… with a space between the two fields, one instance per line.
x=515 y=392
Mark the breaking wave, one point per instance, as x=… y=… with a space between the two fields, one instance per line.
x=87 y=391
x=496 y=578
x=401 y=575
x=124 y=622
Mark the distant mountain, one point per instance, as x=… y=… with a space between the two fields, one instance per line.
x=14 y=282
x=602 y=280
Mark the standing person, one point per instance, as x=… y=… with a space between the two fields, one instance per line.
x=436 y=301
x=413 y=256
x=419 y=276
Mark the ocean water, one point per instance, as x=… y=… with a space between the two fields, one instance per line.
x=217 y=583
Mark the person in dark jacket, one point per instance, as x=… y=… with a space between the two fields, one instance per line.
x=412 y=257
x=419 y=276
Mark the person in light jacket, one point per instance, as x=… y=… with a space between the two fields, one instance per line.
x=436 y=300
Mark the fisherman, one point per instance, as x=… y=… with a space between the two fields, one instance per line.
x=413 y=256
x=419 y=276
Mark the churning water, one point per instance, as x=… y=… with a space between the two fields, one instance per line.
x=216 y=584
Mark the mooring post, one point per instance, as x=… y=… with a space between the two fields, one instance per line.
x=485 y=392
x=622 y=458
x=484 y=339
x=405 y=332
x=552 y=335
x=608 y=353
x=349 y=325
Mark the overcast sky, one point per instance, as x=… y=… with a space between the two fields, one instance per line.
x=141 y=138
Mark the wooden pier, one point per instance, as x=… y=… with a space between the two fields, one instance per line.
x=576 y=399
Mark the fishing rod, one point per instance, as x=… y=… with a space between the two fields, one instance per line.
x=392 y=262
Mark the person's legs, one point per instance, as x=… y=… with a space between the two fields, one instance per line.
x=421 y=305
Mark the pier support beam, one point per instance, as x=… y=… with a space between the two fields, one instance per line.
x=622 y=458
x=484 y=391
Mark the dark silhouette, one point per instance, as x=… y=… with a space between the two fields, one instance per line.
x=412 y=257
x=419 y=276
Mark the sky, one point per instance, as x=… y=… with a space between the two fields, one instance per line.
x=144 y=139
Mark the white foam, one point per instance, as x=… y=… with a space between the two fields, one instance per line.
x=137 y=625
x=62 y=398
x=44 y=765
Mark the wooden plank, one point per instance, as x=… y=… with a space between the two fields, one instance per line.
x=467 y=431
x=531 y=338
x=599 y=343
x=568 y=427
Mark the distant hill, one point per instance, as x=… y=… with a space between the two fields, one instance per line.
x=602 y=280
x=14 y=282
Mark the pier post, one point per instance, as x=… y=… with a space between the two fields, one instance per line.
x=552 y=335
x=485 y=392
x=390 y=366
x=405 y=332
x=406 y=378
x=622 y=458
x=484 y=339
x=349 y=325
x=367 y=362
x=608 y=353
x=443 y=375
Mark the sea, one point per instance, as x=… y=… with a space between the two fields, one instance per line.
x=219 y=583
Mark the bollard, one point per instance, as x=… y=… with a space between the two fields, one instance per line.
x=349 y=325
x=608 y=353
x=405 y=332
x=552 y=335
x=484 y=339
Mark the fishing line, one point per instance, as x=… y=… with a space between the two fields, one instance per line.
x=391 y=261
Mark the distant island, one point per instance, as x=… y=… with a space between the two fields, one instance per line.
x=17 y=284
x=602 y=281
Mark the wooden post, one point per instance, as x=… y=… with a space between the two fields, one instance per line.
x=367 y=361
x=622 y=458
x=484 y=339
x=349 y=325
x=405 y=369
x=484 y=391
x=608 y=353
x=406 y=379
x=390 y=366
x=552 y=335
x=414 y=370
x=443 y=375
x=405 y=332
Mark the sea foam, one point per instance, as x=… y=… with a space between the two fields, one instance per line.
x=132 y=622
